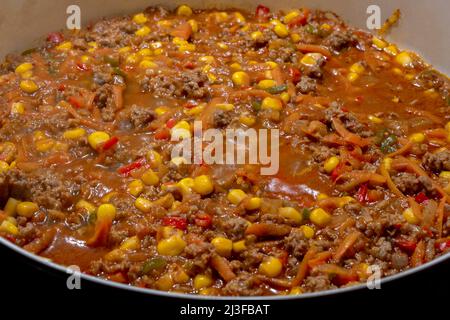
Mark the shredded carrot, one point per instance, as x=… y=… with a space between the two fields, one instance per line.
x=346 y=244
x=222 y=266
x=319 y=258
x=440 y=215
x=277 y=75
x=357 y=177
x=303 y=268
x=418 y=255
x=439 y=133
x=303 y=47
x=268 y=229
x=404 y=149
x=349 y=136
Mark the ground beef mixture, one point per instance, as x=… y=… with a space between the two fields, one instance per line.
x=87 y=176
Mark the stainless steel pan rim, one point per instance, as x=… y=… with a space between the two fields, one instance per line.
x=145 y=291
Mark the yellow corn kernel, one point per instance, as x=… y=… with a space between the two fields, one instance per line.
x=194 y=25
x=140 y=18
x=410 y=217
x=132 y=59
x=194 y=111
x=445 y=175
x=291 y=15
x=85 y=59
x=343 y=201
x=239 y=17
x=26 y=209
x=266 y=84
x=239 y=246
x=164 y=23
x=158 y=52
x=392 y=50
x=202 y=281
x=378 y=43
x=325 y=27
x=93 y=45
x=352 y=76
x=142 y=32
x=66 y=45
x=285 y=97
x=397 y=71
x=186 y=185
x=4 y=166
x=225 y=106
x=147 y=64
x=124 y=49
x=240 y=78
x=281 y=30
x=171 y=246
x=44 y=145
x=135 y=187
x=295 y=37
x=203 y=185
x=143 y=204
x=322 y=196
x=409 y=76
x=85 y=205
x=186 y=47
x=74 y=133
x=311 y=59
x=168 y=231
x=9 y=227
x=98 y=138
x=207 y=59
x=271 y=267
x=17 y=108
x=150 y=178
x=417 y=137
x=28 y=86
x=271 y=103
x=253 y=203
x=27 y=74
x=11 y=206
x=296 y=290
x=221 y=16
x=404 y=58
x=291 y=214
x=357 y=68
x=107 y=197
x=165 y=282
x=222 y=45
x=24 y=67
x=331 y=163
x=307 y=231
x=375 y=119
x=387 y=163
x=271 y=64
x=161 y=110
x=106 y=211
x=181 y=276
x=131 y=243
x=222 y=245
x=145 y=52
x=178 y=161
x=154 y=158
x=320 y=217
x=236 y=196
x=246 y=120
x=184 y=11
x=256 y=35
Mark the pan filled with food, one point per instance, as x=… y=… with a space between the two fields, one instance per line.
x=87 y=176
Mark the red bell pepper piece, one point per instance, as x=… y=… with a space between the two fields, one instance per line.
x=75 y=102
x=362 y=195
x=295 y=74
x=177 y=222
x=110 y=143
x=300 y=20
x=262 y=12
x=162 y=134
x=126 y=170
x=406 y=245
x=337 y=171
x=203 y=220
x=171 y=123
x=421 y=197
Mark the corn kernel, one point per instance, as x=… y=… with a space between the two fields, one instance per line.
x=417 y=137
x=66 y=45
x=445 y=175
x=143 y=204
x=343 y=201
x=27 y=74
x=154 y=158
x=320 y=217
x=239 y=17
x=17 y=108
x=28 y=86
x=131 y=243
x=311 y=59
x=246 y=120
x=291 y=15
x=295 y=37
x=222 y=245
x=107 y=197
x=24 y=67
x=186 y=47
x=378 y=43
x=322 y=196
x=271 y=267
x=207 y=59
x=225 y=106
x=171 y=246
x=392 y=50
x=285 y=97
x=291 y=214
x=375 y=119
x=161 y=110
x=97 y=139
x=266 y=84
x=281 y=30
x=9 y=227
x=325 y=27
x=203 y=185
x=44 y=145
x=145 y=52
x=186 y=184
x=222 y=45
x=106 y=211
x=257 y=35
x=147 y=64
x=132 y=59
x=271 y=64
x=125 y=49
x=165 y=282
x=74 y=133
x=404 y=58
x=142 y=32
x=410 y=217
x=308 y=231
x=357 y=68
x=240 y=78
x=296 y=290
x=271 y=103
x=253 y=203
x=4 y=166
x=352 y=76
x=164 y=23
x=135 y=187
x=397 y=71
x=11 y=206
x=202 y=281
x=387 y=163
x=150 y=178
x=331 y=163
x=85 y=205
x=239 y=246
x=184 y=10
x=181 y=276
x=140 y=18
x=26 y=209
x=194 y=25
x=236 y=196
